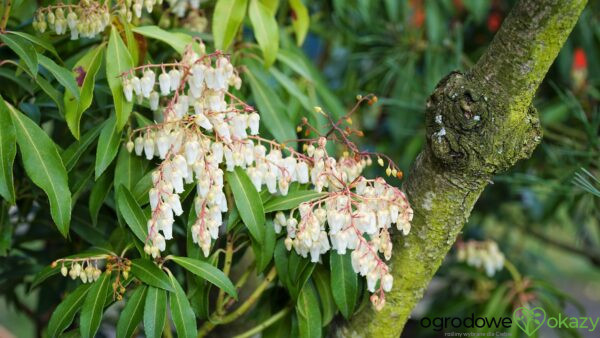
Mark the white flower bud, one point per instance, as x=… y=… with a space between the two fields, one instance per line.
x=153 y=100
x=175 y=77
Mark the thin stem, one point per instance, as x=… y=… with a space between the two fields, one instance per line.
x=226 y=269
x=218 y=320
x=259 y=328
x=5 y=16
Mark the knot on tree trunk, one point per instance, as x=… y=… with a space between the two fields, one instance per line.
x=476 y=132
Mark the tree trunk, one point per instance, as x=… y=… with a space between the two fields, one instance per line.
x=478 y=123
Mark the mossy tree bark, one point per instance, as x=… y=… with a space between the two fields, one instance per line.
x=479 y=123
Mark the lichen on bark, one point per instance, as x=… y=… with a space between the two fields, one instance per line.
x=478 y=123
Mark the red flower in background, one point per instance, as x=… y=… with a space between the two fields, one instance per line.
x=494 y=21
x=418 y=17
x=579 y=59
x=579 y=69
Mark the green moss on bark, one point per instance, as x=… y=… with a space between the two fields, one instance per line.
x=478 y=124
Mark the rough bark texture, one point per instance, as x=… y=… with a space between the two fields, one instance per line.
x=478 y=124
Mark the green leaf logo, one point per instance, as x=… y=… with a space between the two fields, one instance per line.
x=529 y=320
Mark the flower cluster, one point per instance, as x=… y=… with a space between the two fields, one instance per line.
x=86 y=19
x=130 y=8
x=87 y=269
x=199 y=132
x=205 y=130
x=480 y=255
x=358 y=213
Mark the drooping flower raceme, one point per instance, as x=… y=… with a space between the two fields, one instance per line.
x=86 y=19
x=205 y=130
x=89 y=18
x=481 y=255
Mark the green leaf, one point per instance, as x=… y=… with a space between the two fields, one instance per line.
x=300 y=20
x=292 y=88
x=129 y=169
x=226 y=21
x=44 y=167
x=118 y=61
x=141 y=189
x=271 y=5
x=8 y=151
x=308 y=312
x=132 y=213
x=93 y=306
x=264 y=253
x=71 y=155
x=98 y=194
x=52 y=93
x=176 y=40
x=248 y=202
x=64 y=313
x=272 y=110
x=62 y=75
x=132 y=313
x=344 y=283
x=146 y=271
x=207 y=272
x=292 y=200
x=266 y=30
x=280 y=256
x=322 y=282
x=299 y=271
x=38 y=41
x=155 y=312
x=86 y=67
x=24 y=49
x=108 y=145
x=181 y=311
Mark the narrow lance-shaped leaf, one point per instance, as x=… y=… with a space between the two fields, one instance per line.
x=178 y=41
x=208 y=272
x=93 y=306
x=272 y=110
x=85 y=73
x=132 y=313
x=38 y=41
x=265 y=30
x=308 y=312
x=129 y=169
x=118 y=61
x=64 y=313
x=71 y=155
x=24 y=49
x=181 y=311
x=8 y=151
x=300 y=20
x=322 y=282
x=44 y=166
x=344 y=283
x=146 y=271
x=155 y=310
x=62 y=75
x=248 y=202
x=132 y=213
x=98 y=194
x=292 y=200
x=108 y=145
x=226 y=21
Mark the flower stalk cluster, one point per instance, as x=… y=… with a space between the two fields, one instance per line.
x=89 y=270
x=481 y=255
x=205 y=131
x=85 y=19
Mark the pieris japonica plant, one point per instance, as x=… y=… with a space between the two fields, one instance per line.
x=177 y=178
x=205 y=130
